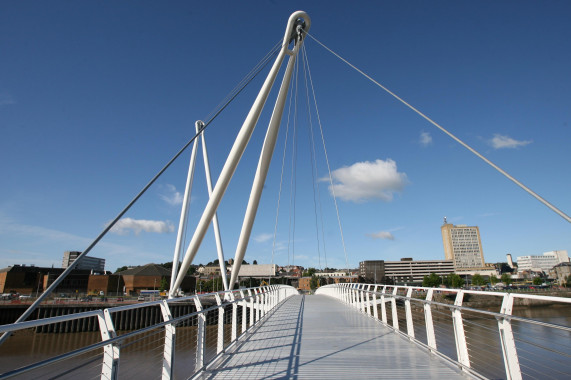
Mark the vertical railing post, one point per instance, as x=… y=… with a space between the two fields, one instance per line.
x=383 y=306
x=394 y=308
x=200 y=335
x=258 y=303
x=368 y=300
x=234 y=317
x=169 y=346
x=220 y=340
x=459 y=335
x=408 y=311
x=430 y=336
x=251 y=302
x=375 y=311
x=244 y=311
x=509 y=351
x=110 y=367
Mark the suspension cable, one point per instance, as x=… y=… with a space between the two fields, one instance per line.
x=329 y=170
x=521 y=185
x=243 y=83
x=315 y=169
x=312 y=155
x=282 y=177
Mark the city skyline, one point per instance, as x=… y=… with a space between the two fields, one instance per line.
x=97 y=97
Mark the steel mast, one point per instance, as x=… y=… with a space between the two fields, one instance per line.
x=298 y=23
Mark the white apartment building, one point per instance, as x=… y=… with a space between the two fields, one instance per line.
x=543 y=262
x=462 y=244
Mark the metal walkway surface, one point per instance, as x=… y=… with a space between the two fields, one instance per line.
x=319 y=337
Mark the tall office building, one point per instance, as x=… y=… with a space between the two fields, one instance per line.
x=92 y=263
x=463 y=245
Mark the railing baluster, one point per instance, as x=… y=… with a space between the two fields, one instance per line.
x=430 y=337
x=244 y=311
x=509 y=351
x=383 y=306
x=408 y=310
x=169 y=345
x=459 y=335
x=220 y=340
x=375 y=311
x=200 y=335
x=111 y=352
x=394 y=309
x=234 y=317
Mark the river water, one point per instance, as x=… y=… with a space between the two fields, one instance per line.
x=142 y=358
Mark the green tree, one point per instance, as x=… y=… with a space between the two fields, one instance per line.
x=164 y=284
x=537 y=281
x=478 y=280
x=493 y=280
x=568 y=281
x=314 y=282
x=431 y=281
x=309 y=272
x=507 y=278
x=455 y=280
x=121 y=269
x=255 y=262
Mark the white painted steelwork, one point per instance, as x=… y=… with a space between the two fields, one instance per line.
x=299 y=21
x=267 y=299
x=199 y=127
x=466 y=350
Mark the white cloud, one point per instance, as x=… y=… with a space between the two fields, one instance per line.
x=501 y=141
x=364 y=181
x=261 y=238
x=386 y=235
x=124 y=225
x=171 y=196
x=425 y=139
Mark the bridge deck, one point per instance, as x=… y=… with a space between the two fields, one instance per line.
x=319 y=337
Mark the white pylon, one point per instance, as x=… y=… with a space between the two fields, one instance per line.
x=297 y=22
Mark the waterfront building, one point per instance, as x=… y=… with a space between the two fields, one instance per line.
x=109 y=284
x=463 y=245
x=30 y=280
x=149 y=277
x=409 y=271
x=373 y=271
x=543 y=262
x=92 y=263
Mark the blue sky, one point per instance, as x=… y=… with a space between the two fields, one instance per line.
x=95 y=97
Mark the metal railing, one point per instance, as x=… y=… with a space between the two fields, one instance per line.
x=528 y=336
x=217 y=322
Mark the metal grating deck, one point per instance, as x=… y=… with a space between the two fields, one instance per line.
x=319 y=337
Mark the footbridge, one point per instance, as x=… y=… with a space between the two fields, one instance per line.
x=341 y=331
